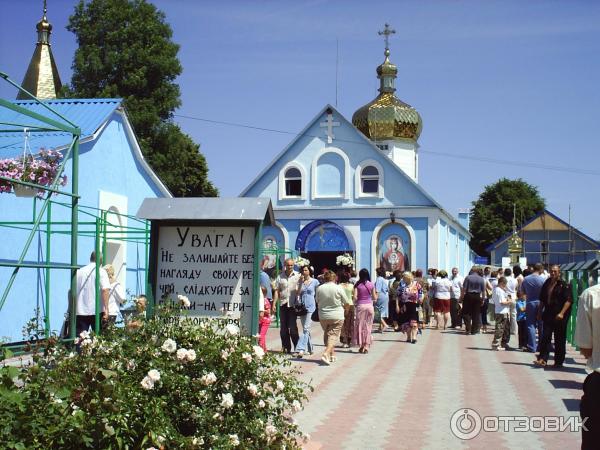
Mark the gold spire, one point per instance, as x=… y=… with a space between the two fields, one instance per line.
x=42 y=78
x=515 y=243
x=387 y=117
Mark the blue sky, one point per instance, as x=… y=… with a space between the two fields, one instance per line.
x=505 y=88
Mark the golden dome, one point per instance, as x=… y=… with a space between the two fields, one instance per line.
x=387 y=117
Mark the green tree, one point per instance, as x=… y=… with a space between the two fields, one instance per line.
x=492 y=212
x=125 y=50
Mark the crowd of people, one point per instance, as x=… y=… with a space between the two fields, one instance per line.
x=530 y=304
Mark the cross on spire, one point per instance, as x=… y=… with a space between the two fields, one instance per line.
x=387 y=31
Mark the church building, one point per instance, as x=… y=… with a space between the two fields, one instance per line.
x=352 y=187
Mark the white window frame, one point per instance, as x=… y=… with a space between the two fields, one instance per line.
x=358 y=180
x=282 y=195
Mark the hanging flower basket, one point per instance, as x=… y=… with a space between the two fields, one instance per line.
x=40 y=169
x=24 y=191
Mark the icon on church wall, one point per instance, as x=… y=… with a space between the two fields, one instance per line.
x=394 y=248
x=269 y=258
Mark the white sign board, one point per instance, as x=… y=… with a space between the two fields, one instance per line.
x=212 y=266
x=523 y=261
x=505 y=262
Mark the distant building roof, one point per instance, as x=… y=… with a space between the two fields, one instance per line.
x=208 y=208
x=545 y=220
x=88 y=114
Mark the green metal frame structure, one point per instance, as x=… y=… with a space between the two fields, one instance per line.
x=97 y=223
x=50 y=124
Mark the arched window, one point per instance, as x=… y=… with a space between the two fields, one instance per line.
x=293 y=182
x=369 y=180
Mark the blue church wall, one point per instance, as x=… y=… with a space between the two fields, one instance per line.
x=442 y=236
x=331 y=175
x=106 y=164
x=463 y=262
x=452 y=249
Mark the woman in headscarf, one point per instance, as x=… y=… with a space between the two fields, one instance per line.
x=410 y=295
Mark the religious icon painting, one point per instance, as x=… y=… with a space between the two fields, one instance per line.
x=393 y=248
x=272 y=248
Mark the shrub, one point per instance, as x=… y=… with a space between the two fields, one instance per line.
x=165 y=384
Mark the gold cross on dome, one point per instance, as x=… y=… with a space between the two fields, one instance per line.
x=387 y=31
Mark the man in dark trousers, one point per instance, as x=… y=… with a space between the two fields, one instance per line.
x=472 y=294
x=285 y=297
x=555 y=300
x=531 y=288
x=587 y=338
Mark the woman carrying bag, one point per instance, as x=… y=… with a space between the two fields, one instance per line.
x=331 y=300
x=305 y=306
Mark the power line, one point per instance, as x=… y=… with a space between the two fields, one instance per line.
x=430 y=152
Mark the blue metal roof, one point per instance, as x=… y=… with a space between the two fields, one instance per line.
x=87 y=114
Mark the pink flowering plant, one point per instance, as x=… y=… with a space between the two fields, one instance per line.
x=41 y=169
x=164 y=383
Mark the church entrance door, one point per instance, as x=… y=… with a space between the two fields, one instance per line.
x=323 y=260
x=321 y=242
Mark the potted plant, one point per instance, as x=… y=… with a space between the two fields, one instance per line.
x=40 y=170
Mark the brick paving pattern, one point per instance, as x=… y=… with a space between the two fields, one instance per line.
x=401 y=395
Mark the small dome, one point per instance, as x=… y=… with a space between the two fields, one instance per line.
x=388 y=117
x=387 y=68
x=44 y=25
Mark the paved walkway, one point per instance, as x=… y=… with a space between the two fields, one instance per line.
x=404 y=396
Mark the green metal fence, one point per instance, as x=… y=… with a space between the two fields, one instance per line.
x=100 y=225
x=580 y=276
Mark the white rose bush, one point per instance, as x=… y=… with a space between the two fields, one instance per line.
x=163 y=385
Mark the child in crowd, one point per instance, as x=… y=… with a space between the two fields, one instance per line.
x=502 y=301
x=264 y=320
x=521 y=323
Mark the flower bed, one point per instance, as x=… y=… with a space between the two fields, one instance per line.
x=39 y=170
x=161 y=385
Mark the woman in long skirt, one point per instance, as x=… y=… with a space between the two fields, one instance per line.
x=348 y=326
x=364 y=296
